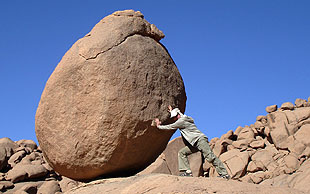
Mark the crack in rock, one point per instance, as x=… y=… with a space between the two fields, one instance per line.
x=101 y=52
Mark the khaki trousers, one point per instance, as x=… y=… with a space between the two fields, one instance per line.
x=202 y=145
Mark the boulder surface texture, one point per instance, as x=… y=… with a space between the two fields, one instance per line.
x=95 y=112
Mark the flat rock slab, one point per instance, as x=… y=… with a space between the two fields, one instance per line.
x=164 y=184
x=95 y=112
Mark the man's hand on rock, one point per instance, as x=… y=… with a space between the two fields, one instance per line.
x=157 y=121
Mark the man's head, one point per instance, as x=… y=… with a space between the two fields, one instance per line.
x=175 y=114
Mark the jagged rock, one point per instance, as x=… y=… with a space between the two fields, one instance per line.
x=95 y=112
x=236 y=162
x=271 y=108
x=49 y=187
x=287 y=106
x=303 y=135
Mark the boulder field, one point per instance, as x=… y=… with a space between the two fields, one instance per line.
x=95 y=113
x=275 y=150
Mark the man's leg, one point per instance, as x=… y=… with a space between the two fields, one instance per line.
x=183 y=159
x=208 y=154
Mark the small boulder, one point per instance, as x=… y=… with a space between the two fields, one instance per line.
x=66 y=184
x=271 y=108
x=23 y=172
x=265 y=157
x=287 y=106
x=260 y=117
x=300 y=102
x=236 y=162
x=246 y=133
x=257 y=177
x=257 y=144
x=255 y=166
x=241 y=144
x=27 y=143
x=291 y=163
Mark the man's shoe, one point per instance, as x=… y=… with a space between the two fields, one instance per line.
x=227 y=177
x=186 y=173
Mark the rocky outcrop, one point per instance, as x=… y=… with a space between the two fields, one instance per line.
x=95 y=112
x=26 y=170
x=166 y=184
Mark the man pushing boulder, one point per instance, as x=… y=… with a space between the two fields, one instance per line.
x=195 y=141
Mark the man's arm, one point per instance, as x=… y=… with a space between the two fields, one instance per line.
x=172 y=126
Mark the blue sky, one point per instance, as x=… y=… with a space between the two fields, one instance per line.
x=236 y=57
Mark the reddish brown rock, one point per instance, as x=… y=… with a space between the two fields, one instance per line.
x=95 y=112
x=246 y=133
x=236 y=162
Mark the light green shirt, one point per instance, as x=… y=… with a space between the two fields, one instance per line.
x=187 y=128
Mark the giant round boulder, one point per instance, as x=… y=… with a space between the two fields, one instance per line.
x=95 y=113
